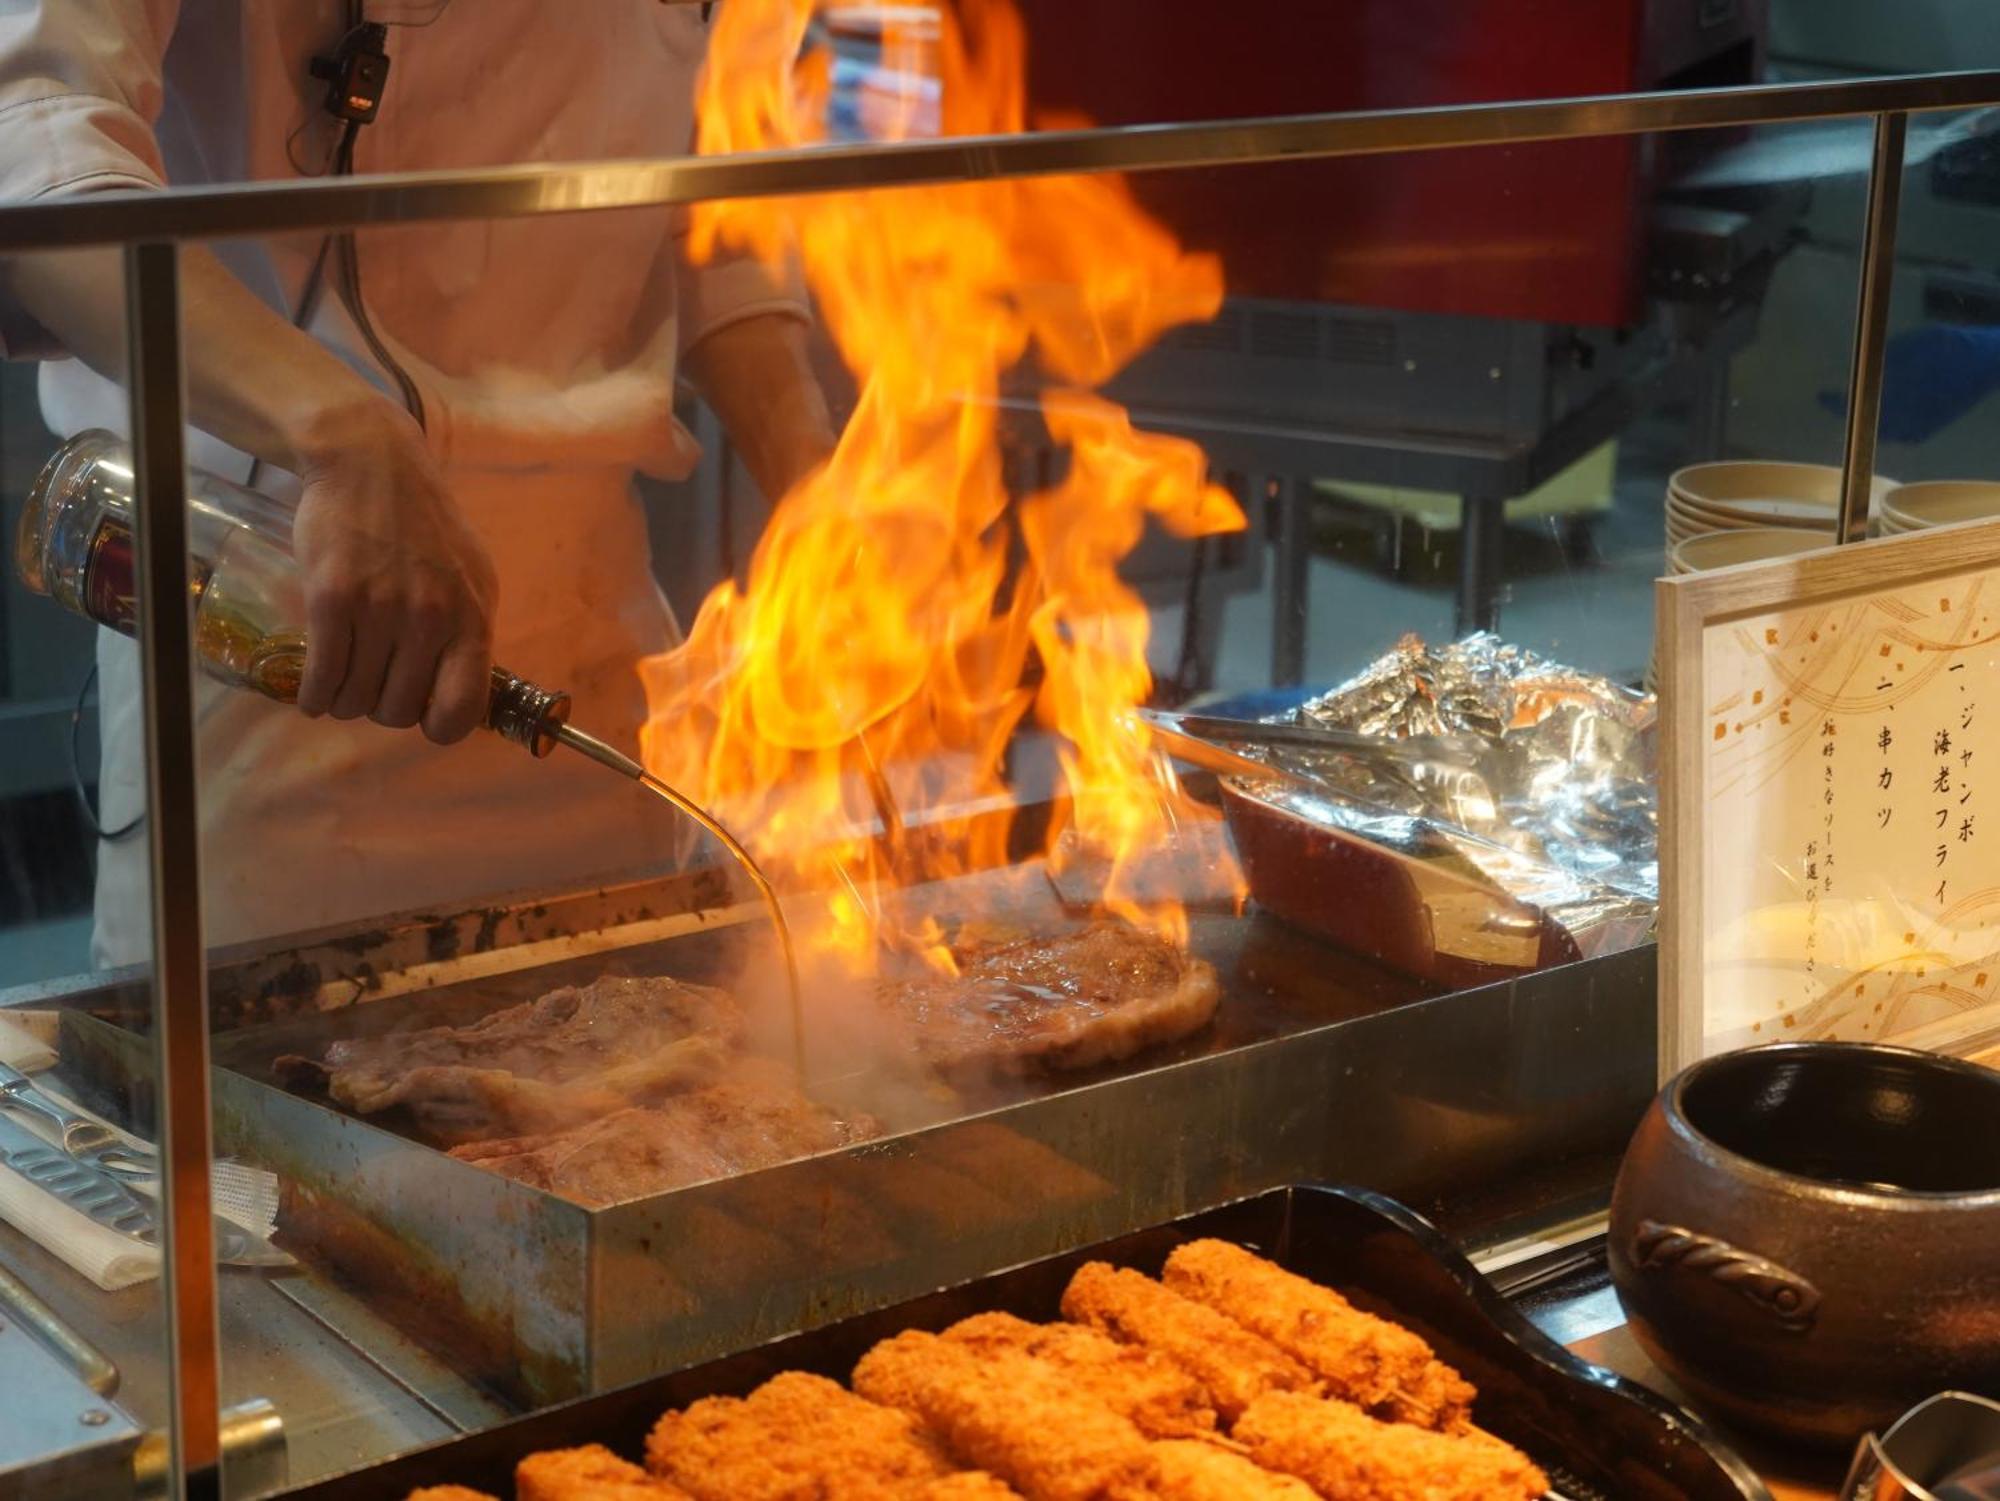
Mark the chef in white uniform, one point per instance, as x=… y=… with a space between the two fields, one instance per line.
x=543 y=353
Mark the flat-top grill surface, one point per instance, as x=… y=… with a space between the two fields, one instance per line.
x=1317 y=1064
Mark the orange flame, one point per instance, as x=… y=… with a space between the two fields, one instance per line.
x=877 y=658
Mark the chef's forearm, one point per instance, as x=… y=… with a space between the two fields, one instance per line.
x=253 y=380
x=757 y=376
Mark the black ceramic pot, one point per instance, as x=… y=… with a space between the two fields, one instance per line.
x=1806 y=1236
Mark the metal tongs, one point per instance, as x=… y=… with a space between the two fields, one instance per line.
x=1206 y=740
x=84 y=1139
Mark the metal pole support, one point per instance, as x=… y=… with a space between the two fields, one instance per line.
x=166 y=656
x=1871 y=324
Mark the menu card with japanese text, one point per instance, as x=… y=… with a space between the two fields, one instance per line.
x=1851 y=836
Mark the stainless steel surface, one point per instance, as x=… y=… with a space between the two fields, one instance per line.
x=510 y=192
x=1503 y=1107
x=1583 y=1317
x=58 y=1438
x=255 y=1458
x=85 y=1139
x=89 y=1190
x=339 y=1409
x=152 y=311
x=21 y=1307
x=440 y=1389
x=1952 y=1436
x=1349 y=1080
x=1871 y=324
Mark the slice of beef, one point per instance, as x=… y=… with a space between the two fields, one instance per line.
x=575 y=1054
x=1092 y=996
x=753 y=1117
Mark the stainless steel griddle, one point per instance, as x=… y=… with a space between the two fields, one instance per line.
x=1318 y=1066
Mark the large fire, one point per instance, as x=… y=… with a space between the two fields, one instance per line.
x=872 y=670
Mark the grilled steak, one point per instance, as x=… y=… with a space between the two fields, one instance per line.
x=1092 y=996
x=576 y=1054
x=752 y=1117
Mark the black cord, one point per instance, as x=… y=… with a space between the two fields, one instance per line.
x=123 y=831
x=347 y=267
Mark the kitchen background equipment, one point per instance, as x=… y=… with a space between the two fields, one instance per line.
x=1803 y=1234
x=1360 y=354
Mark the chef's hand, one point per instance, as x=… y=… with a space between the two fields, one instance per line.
x=399 y=592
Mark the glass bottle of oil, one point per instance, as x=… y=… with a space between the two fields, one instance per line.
x=76 y=545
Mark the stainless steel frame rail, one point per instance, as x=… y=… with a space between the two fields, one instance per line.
x=153 y=223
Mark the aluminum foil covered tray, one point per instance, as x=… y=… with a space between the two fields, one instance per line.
x=1498 y=813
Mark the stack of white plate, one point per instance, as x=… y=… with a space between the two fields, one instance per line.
x=1704 y=499
x=1912 y=508
x=1726 y=549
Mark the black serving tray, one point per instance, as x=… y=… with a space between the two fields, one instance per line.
x=1600 y=1436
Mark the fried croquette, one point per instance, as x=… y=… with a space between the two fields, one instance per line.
x=1346 y=1455
x=1235 y=1366
x=1379 y=1366
x=1011 y=1416
x=1196 y=1470
x=796 y=1436
x=1161 y=1399
x=592 y=1473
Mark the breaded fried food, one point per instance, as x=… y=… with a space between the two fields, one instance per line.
x=1233 y=1365
x=1370 y=1362
x=592 y=1473
x=797 y=1436
x=446 y=1493
x=1345 y=1455
x=1196 y=1470
x=1160 y=1399
x=968 y=1485
x=1013 y=1417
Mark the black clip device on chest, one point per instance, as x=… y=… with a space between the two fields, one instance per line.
x=356 y=73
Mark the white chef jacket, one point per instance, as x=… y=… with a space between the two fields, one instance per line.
x=544 y=349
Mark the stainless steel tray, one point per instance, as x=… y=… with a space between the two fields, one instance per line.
x=1319 y=1064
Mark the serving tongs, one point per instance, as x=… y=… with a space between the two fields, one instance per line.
x=1212 y=740
x=86 y=1140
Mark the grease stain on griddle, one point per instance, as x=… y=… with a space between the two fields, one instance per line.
x=296 y=982
x=489 y=929
x=442 y=940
